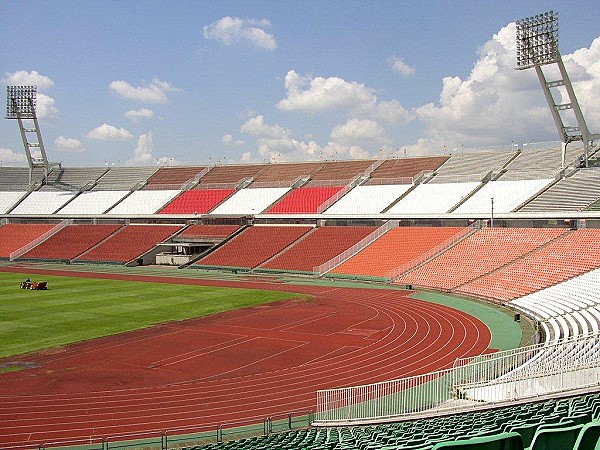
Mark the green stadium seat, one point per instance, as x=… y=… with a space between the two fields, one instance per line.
x=527 y=431
x=501 y=441
x=589 y=437
x=555 y=438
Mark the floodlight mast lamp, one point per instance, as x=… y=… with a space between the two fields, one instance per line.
x=20 y=105
x=537 y=45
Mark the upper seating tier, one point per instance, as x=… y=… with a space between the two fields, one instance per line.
x=253 y=246
x=506 y=195
x=123 y=178
x=323 y=244
x=250 y=201
x=467 y=165
x=73 y=178
x=569 y=194
x=433 y=198
x=17 y=178
x=529 y=161
x=304 y=200
x=8 y=199
x=196 y=201
x=92 y=202
x=143 y=202
x=43 y=202
x=367 y=199
x=230 y=175
x=397 y=169
x=285 y=173
x=339 y=172
x=172 y=177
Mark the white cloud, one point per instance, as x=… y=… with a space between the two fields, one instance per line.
x=318 y=94
x=142 y=154
x=493 y=105
x=399 y=66
x=45 y=107
x=233 y=30
x=109 y=132
x=584 y=69
x=228 y=140
x=257 y=127
x=275 y=144
x=311 y=95
x=64 y=144
x=8 y=156
x=392 y=112
x=359 y=131
x=22 y=77
x=155 y=92
x=136 y=115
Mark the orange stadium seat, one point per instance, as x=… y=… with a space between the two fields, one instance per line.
x=254 y=246
x=485 y=251
x=129 y=243
x=71 y=241
x=14 y=236
x=318 y=247
x=395 y=248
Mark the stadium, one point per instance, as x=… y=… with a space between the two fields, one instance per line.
x=446 y=301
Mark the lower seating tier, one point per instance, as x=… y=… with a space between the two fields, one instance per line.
x=129 y=243
x=253 y=246
x=71 y=241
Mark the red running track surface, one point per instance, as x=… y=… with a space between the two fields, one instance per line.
x=240 y=366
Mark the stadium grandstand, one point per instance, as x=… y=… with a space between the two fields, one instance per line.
x=444 y=302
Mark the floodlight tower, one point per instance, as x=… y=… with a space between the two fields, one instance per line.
x=537 y=46
x=20 y=105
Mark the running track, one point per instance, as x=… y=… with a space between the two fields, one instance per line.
x=237 y=367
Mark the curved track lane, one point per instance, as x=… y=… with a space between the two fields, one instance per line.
x=237 y=367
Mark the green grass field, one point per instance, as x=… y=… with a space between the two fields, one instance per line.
x=77 y=309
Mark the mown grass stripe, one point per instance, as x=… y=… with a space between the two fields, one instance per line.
x=74 y=309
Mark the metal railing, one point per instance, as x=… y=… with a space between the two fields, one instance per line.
x=359 y=246
x=523 y=373
x=179 y=437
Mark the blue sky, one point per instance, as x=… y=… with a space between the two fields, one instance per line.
x=198 y=82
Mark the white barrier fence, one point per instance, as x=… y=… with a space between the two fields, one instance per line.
x=522 y=373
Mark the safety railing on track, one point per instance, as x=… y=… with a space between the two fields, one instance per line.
x=179 y=437
x=527 y=372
